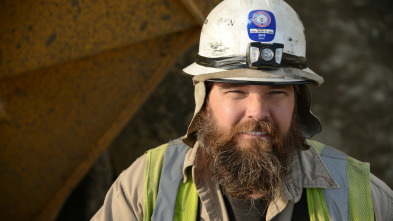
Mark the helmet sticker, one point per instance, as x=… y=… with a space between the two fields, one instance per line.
x=261 y=25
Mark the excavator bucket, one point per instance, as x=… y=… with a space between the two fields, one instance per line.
x=72 y=73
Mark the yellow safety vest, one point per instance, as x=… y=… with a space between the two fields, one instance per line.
x=171 y=199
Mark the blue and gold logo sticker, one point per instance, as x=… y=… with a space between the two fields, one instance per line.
x=261 y=26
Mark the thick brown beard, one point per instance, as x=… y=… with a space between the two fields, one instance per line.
x=255 y=169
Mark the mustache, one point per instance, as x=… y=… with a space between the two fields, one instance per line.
x=222 y=138
x=264 y=126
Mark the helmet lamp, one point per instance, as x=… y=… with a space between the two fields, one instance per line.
x=278 y=55
x=254 y=54
x=270 y=55
x=267 y=54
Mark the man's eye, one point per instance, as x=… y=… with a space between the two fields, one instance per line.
x=236 y=92
x=277 y=92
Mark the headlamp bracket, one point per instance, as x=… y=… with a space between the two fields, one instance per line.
x=271 y=60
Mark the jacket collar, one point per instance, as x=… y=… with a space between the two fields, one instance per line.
x=189 y=160
x=307 y=171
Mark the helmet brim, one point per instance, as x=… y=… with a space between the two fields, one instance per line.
x=285 y=75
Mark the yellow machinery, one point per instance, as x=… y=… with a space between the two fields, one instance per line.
x=72 y=73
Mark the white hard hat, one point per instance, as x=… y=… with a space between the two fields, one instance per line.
x=237 y=31
x=254 y=42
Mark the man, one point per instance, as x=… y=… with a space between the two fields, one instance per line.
x=246 y=154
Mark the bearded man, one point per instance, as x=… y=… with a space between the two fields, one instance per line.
x=247 y=154
x=250 y=134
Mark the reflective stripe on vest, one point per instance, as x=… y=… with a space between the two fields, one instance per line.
x=354 y=203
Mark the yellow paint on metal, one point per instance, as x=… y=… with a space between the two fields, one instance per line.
x=72 y=73
x=63 y=116
x=35 y=34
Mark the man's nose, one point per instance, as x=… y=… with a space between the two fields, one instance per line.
x=258 y=108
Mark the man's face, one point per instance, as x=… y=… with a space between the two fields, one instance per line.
x=250 y=133
x=236 y=104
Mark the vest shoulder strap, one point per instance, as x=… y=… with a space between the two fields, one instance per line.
x=353 y=200
x=152 y=174
x=167 y=197
x=360 y=197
